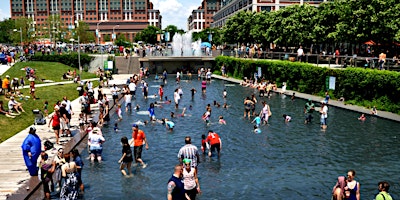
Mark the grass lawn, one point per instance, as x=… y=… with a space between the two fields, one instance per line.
x=44 y=70
x=10 y=126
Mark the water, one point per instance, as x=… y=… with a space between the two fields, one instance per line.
x=285 y=161
x=182 y=45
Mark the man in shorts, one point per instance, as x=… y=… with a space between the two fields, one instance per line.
x=215 y=143
x=139 y=139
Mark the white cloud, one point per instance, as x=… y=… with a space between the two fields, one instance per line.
x=4 y=14
x=175 y=12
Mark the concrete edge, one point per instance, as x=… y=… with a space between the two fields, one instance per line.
x=34 y=183
x=381 y=114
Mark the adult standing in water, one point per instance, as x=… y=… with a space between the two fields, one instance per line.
x=176 y=98
x=176 y=189
x=248 y=104
x=139 y=140
x=203 y=85
x=189 y=151
x=31 y=149
x=308 y=110
x=352 y=189
x=324 y=115
x=190 y=180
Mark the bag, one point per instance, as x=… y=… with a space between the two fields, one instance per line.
x=48 y=145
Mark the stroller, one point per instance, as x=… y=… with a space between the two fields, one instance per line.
x=39 y=117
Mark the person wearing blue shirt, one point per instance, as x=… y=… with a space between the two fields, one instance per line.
x=31 y=149
x=257 y=120
x=152 y=112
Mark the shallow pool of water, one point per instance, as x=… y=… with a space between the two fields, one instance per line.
x=285 y=161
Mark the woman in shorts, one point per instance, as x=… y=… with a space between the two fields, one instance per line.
x=55 y=123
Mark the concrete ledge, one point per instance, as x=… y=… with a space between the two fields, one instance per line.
x=335 y=103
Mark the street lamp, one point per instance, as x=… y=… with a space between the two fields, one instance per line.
x=114 y=36
x=98 y=33
x=20 y=34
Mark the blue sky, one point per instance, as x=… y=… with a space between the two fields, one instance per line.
x=173 y=12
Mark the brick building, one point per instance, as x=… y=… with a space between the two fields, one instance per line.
x=125 y=17
x=202 y=17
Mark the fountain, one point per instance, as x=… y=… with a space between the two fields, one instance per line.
x=182 y=45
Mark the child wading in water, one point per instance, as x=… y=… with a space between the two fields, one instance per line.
x=221 y=120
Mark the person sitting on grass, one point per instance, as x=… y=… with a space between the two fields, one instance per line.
x=4 y=112
x=15 y=106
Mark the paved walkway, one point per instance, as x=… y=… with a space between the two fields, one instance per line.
x=14 y=177
x=335 y=103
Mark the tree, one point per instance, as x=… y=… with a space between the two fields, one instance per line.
x=261 y=23
x=6 y=28
x=204 y=35
x=122 y=41
x=107 y=38
x=148 y=35
x=25 y=25
x=82 y=30
x=237 y=28
x=292 y=26
x=172 y=29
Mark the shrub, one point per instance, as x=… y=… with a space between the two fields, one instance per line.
x=364 y=87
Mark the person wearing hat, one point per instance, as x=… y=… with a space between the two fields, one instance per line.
x=190 y=180
x=215 y=142
x=139 y=139
x=308 y=110
x=96 y=145
x=324 y=115
x=31 y=149
x=14 y=105
x=6 y=84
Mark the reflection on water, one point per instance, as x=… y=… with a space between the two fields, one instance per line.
x=285 y=161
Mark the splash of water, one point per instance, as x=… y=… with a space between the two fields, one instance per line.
x=182 y=45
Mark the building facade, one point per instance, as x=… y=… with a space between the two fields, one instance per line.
x=231 y=7
x=123 y=17
x=202 y=17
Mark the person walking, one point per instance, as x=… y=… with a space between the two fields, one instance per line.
x=31 y=149
x=139 y=140
x=126 y=159
x=190 y=180
x=176 y=189
x=190 y=152
x=55 y=122
x=308 y=110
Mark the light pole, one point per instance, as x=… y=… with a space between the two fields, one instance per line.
x=114 y=36
x=20 y=34
x=98 y=33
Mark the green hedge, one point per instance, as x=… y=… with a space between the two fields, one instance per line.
x=66 y=59
x=365 y=87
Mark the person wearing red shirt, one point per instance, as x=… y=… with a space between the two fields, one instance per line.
x=138 y=140
x=215 y=142
x=56 y=124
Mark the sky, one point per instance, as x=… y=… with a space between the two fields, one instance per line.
x=173 y=12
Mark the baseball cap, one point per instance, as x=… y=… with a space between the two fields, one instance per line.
x=32 y=129
x=7 y=76
x=135 y=126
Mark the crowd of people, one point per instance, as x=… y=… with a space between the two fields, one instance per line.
x=184 y=182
